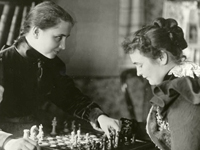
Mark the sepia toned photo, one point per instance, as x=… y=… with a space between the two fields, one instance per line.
x=99 y=75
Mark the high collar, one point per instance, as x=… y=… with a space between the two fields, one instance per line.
x=33 y=56
x=168 y=77
x=159 y=91
x=26 y=50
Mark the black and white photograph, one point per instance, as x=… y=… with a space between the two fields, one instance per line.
x=99 y=75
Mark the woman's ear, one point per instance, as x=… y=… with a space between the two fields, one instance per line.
x=36 y=31
x=163 y=59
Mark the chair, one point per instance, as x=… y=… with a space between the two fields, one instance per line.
x=137 y=92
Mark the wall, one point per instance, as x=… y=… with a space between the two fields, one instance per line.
x=153 y=10
x=92 y=48
x=93 y=51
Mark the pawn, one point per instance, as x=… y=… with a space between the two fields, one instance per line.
x=112 y=139
x=75 y=141
x=98 y=146
x=133 y=139
x=87 y=137
x=79 y=136
x=109 y=144
x=66 y=129
x=93 y=144
x=54 y=124
x=73 y=126
x=26 y=133
x=72 y=137
x=79 y=127
x=104 y=143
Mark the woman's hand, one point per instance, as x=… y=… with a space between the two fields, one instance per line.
x=109 y=125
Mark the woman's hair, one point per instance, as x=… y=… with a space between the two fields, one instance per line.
x=45 y=15
x=163 y=34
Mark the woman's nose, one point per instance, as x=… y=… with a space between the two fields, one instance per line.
x=62 y=44
x=138 y=72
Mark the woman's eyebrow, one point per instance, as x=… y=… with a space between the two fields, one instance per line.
x=64 y=35
x=135 y=63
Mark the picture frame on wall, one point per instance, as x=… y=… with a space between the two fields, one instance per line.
x=187 y=15
x=193 y=29
x=193 y=33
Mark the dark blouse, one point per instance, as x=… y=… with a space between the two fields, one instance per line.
x=29 y=79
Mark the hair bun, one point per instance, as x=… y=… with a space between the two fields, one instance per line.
x=171 y=23
x=166 y=23
x=160 y=22
x=175 y=32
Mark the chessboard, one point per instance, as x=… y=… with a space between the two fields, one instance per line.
x=64 y=142
x=77 y=139
x=71 y=142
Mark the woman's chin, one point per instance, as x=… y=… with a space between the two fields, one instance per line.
x=52 y=56
x=152 y=82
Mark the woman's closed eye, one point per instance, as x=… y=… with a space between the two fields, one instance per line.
x=58 y=38
x=138 y=65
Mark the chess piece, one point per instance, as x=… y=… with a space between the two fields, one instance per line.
x=116 y=140
x=72 y=136
x=79 y=127
x=98 y=146
x=109 y=144
x=93 y=145
x=87 y=137
x=112 y=138
x=54 y=124
x=26 y=133
x=40 y=135
x=133 y=139
x=79 y=135
x=73 y=126
x=34 y=132
x=104 y=143
x=127 y=130
x=66 y=130
x=75 y=143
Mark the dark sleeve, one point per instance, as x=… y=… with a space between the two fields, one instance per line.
x=71 y=100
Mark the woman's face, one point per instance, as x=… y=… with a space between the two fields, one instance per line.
x=148 y=68
x=52 y=40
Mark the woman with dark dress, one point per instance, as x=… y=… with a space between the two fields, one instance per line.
x=156 y=50
x=33 y=74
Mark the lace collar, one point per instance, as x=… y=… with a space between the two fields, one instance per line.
x=186 y=68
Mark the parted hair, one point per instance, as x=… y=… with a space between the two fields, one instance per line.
x=45 y=15
x=162 y=34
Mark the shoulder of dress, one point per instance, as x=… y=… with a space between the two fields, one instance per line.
x=185 y=69
x=3 y=51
